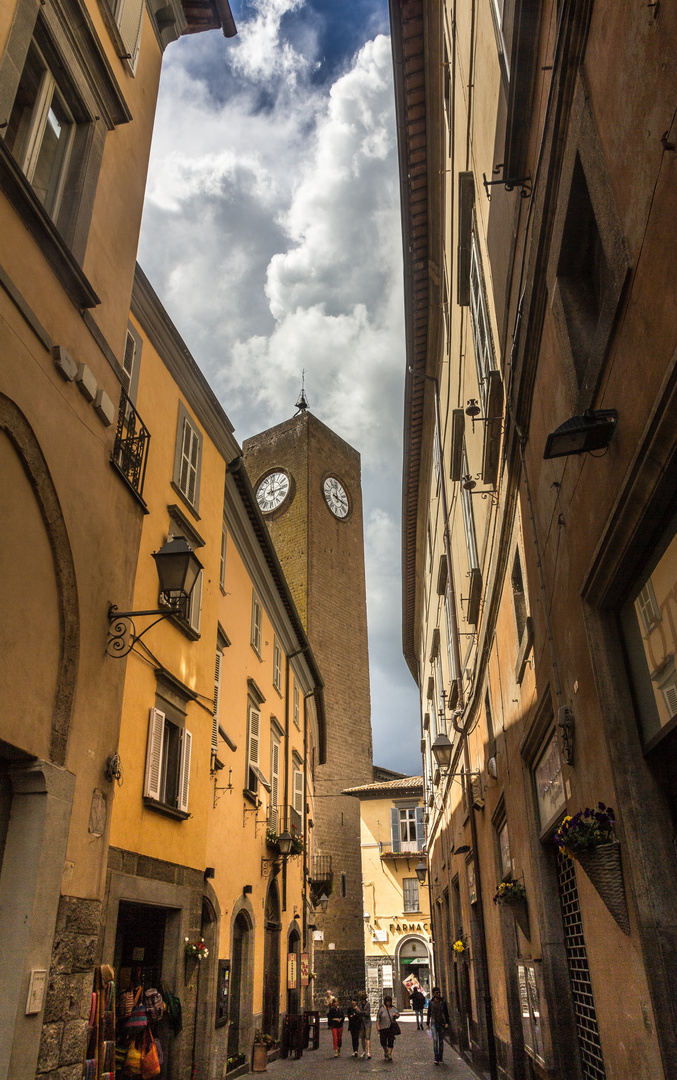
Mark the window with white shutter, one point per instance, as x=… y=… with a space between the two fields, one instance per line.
x=297 y=707
x=152 y=787
x=298 y=791
x=277 y=666
x=420 y=828
x=195 y=604
x=184 y=776
x=222 y=565
x=217 y=697
x=479 y=319
x=129 y=20
x=187 y=458
x=128 y=362
x=257 y=618
x=253 y=748
x=274 y=782
x=395 y=829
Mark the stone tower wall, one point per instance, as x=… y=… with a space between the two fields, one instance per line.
x=323 y=558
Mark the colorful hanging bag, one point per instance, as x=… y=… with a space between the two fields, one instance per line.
x=154 y=1004
x=150 y=1062
x=137 y=1019
x=132 y=1067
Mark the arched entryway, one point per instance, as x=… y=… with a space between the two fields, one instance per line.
x=241 y=984
x=294 y=992
x=412 y=959
x=271 y=962
x=206 y=989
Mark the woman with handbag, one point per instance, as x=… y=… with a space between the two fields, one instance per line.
x=387 y=1027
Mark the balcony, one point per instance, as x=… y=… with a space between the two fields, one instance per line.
x=285 y=818
x=406 y=849
x=130 y=451
x=320 y=870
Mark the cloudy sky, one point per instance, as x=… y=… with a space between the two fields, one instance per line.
x=271 y=233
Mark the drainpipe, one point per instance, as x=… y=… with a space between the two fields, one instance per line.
x=463 y=732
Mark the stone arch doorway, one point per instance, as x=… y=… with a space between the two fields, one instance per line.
x=241 y=984
x=206 y=990
x=294 y=993
x=412 y=957
x=271 y=962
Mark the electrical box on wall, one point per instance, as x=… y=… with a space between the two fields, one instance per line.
x=36 y=991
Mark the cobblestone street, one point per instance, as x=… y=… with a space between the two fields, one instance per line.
x=412 y=1059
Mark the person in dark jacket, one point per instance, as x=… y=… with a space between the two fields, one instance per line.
x=418 y=1005
x=335 y=1021
x=438 y=1020
x=354 y=1015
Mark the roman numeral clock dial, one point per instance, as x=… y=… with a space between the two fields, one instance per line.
x=336 y=498
x=272 y=491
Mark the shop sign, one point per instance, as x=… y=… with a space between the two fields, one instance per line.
x=387 y=973
x=379 y=935
x=222 y=986
x=305 y=969
x=291 y=971
x=410 y=928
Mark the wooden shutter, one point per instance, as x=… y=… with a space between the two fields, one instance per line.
x=254 y=734
x=298 y=791
x=217 y=695
x=195 y=605
x=128 y=362
x=420 y=828
x=152 y=786
x=222 y=567
x=256 y=623
x=274 y=783
x=129 y=18
x=184 y=775
x=395 y=829
x=189 y=460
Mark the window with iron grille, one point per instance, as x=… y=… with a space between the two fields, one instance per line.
x=130 y=449
x=592 y=1062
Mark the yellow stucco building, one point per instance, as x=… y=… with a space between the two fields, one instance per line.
x=222 y=714
x=397 y=930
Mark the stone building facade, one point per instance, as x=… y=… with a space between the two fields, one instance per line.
x=318 y=534
x=537 y=159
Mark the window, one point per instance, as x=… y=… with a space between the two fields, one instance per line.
x=505 y=860
x=277 y=666
x=194 y=614
x=297 y=790
x=222 y=564
x=167 y=778
x=253 y=738
x=450 y=641
x=519 y=599
x=217 y=702
x=344 y=886
x=491 y=744
x=436 y=458
x=469 y=521
x=297 y=707
x=498 y=12
x=128 y=15
x=257 y=618
x=410 y=894
x=40 y=130
x=647 y=607
x=274 y=781
x=187 y=459
x=479 y=319
x=407 y=829
x=131 y=363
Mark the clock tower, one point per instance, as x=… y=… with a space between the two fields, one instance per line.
x=308 y=486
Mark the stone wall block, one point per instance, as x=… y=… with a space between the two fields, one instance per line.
x=73 y=1043
x=70 y=1072
x=84 y=916
x=62 y=954
x=50 y=1047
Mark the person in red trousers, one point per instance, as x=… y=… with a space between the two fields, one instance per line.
x=335 y=1020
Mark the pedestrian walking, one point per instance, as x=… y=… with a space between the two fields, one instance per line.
x=335 y=1020
x=354 y=1015
x=418 y=1005
x=438 y=1020
x=387 y=1027
x=365 y=1030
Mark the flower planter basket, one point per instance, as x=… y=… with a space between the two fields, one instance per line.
x=260 y=1058
x=602 y=864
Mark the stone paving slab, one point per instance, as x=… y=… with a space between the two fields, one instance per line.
x=412 y=1060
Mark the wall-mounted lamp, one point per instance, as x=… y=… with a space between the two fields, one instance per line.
x=442 y=750
x=178 y=567
x=322 y=902
x=284 y=843
x=581 y=434
x=421 y=871
x=462 y=849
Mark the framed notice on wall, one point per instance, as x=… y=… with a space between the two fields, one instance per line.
x=305 y=969
x=222 y=987
x=387 y=974
x=291 y=971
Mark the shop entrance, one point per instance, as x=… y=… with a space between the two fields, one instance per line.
x=413 y=962
x=271 y=963
x=293 y=992
x=139 y=944
x=240 y=987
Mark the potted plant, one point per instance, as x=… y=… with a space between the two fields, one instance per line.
x=262 y=1044
x=196 y=949
x=588 y=838
x=460 y=948
x=512 y=895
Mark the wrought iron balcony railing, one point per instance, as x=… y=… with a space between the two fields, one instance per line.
x=320 y=869
x=132 y=439
x=281 y=818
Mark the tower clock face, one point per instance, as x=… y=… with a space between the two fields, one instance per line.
x=336 y=497
x=272 y=491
